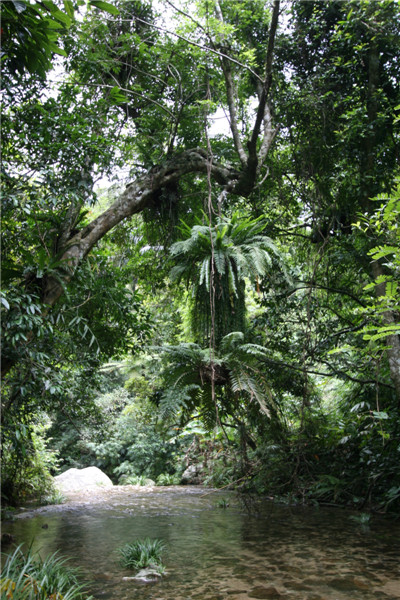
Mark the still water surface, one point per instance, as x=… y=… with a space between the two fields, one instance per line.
x=218 y=553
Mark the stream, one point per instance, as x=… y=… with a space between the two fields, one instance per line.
x=214 y=553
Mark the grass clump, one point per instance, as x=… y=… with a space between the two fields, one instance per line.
x=142 y=554
x=55 y=497
x=27 y=577
x=222 y=503
x=141 y=480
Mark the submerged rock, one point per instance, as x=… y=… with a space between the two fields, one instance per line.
x=344 y=584
x=270 y=593
x=75 y=480
x=7 y=538
x=146 y=575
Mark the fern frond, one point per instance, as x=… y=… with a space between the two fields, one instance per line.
x=230 y=342
x=177 y=400
x=219 y=261
x=178 y=272
x=208 y=411
x=232 y=287
x=241 y=381
x=255 y=350
x=204 y=276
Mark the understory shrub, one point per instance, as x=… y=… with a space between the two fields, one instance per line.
x=27 y=463
x=136 y=480
x=168 y=479
x=138 y=445
x=348 y=456
x=54 y=497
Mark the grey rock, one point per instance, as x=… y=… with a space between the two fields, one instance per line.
x=147 y=575
x=190 y=475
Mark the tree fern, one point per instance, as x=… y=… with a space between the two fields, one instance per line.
x=178 y=400
x=233 y=249
x=237 y=372
x=243 y=382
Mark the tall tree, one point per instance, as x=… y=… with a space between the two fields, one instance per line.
x=130 y=80
x=339 y=116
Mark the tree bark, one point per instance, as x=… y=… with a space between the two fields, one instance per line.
x=136 y=197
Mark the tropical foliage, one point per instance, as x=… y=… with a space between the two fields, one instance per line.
x=200 y=256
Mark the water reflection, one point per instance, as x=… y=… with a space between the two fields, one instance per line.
x=215 y=553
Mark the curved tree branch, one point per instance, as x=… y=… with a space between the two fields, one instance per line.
x=135 y=198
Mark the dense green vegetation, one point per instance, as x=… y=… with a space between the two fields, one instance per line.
x=180 y=292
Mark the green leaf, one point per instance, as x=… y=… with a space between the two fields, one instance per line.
x=383 y=251
x=117 y=96
x=4 y=303
x=57 y=13
x=51 y=24
x=113 y=10
x=69 y=8
x=380 y=414
x=383 y=332
x=54 y=48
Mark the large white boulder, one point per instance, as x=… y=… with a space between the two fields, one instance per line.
x=78 y=480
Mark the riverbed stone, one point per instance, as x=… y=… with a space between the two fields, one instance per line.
x=298 y=586
x=361 y=584
x=7 y=538
x=343 y=584
x=75 y=480
x=261 y=592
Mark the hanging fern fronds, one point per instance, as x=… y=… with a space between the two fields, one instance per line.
x=204 y=276
x=254 y=387
x=208 y=413
x=234 y=249
x=231 y=341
